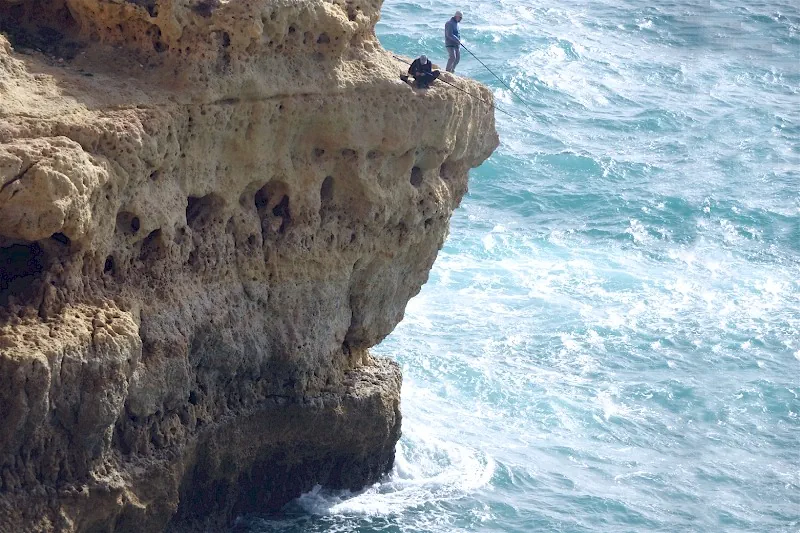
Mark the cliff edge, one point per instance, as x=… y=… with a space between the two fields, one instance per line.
x=209 y=211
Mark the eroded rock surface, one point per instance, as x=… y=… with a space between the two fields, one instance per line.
x=209 y=211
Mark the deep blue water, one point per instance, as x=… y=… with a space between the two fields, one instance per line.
x=610 y=338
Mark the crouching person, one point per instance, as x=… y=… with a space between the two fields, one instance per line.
x=421 y=71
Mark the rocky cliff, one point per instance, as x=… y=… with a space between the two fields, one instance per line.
x=209 y=211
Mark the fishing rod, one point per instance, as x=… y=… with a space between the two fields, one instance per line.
x=495 y=75
x=476 y=97
x=462 y=90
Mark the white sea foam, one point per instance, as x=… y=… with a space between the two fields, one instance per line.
x=637 y=231
x=427 y=470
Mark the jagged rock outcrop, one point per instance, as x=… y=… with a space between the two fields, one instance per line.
x=209 y=211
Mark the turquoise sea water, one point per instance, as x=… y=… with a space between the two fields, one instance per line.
x=610 y=338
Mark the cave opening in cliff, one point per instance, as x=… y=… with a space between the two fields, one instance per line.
x=21 y=267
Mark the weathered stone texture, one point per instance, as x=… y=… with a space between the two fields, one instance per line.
x=209 y=211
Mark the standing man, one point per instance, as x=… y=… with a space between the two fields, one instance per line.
x=452 y=41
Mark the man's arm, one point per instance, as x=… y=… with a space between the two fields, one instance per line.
x=448 y=31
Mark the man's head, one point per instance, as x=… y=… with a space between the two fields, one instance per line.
x=458 y=16
x=423 y=59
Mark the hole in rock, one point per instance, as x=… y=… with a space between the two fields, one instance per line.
x=127 y=223
x=150 y=5
x=193 y=259
x=61 y=239
x=416 y=176
x=21 y=267
x=153 y=247
x=204 y=8
x=261 y=199
x=108 y=267
x=200 y=211
x=282 y=210
x=326 y=191
x=446 y=171
x=323 y=38
x=226 y=40
x=275 y=214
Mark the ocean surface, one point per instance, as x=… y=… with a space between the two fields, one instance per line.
x=610 y=338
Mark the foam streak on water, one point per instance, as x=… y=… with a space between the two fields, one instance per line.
x=610 y=339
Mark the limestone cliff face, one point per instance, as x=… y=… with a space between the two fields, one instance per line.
x=209 y=211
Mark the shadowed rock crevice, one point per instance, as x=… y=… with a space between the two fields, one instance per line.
x=202 y=211
x=22 y=267
x=44 y=25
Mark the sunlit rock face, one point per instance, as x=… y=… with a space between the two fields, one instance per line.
x=209 y=211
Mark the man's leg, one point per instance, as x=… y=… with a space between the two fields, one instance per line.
x=457 y=50
x=451 y=58
x=424 y=80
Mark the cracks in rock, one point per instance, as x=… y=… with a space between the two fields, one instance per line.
x=18 y=177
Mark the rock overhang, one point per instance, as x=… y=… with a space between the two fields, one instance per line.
x=202 y=233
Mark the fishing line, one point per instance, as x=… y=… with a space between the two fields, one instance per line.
x=495 y=75
x=463 y=91
x=477 y=98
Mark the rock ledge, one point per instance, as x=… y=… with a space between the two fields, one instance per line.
x=209 y=212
